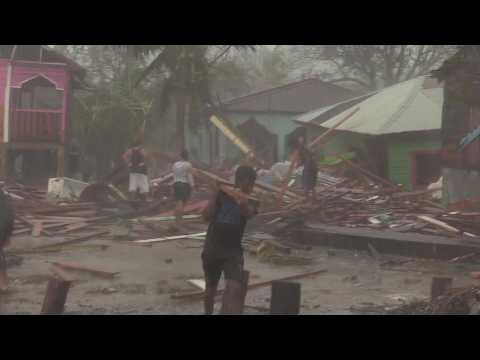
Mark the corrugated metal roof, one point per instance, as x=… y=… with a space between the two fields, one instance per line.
x=312 y=116
x=400 y=108
x=297 y=97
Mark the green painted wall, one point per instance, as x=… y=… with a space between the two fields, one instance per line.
x=399 y=149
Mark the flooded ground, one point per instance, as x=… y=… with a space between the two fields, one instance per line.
x=355 y=283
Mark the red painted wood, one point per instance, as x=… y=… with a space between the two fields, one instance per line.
x=35 y=125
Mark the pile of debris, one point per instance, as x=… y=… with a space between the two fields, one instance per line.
x=460 y=301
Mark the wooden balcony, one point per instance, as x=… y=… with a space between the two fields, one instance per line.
x=35 y=125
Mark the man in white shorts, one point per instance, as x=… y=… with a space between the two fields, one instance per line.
x=136 y=157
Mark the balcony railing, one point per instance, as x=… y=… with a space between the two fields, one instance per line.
x=35 y=125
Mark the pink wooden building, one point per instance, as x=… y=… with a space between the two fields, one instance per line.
x=36 y=87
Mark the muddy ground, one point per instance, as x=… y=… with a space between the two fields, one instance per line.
x=356 y=283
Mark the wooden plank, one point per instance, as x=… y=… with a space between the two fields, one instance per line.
x=169 y=238
x=62 y=274
x=77 y=267
x=37 y=228
x=439 y=224
x=198 y=283
x=253 y=286
x=76 y=240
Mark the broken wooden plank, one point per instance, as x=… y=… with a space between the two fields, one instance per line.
x=439 y=224
x=61 y=273
x=166 y=218
x=198 y=283
x=77 y=267
x=169 y=238
x=37 y=228
x=74 y=241
x=197 y=295
x=72 y=227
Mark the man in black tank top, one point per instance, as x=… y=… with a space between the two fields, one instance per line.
x=222 y=253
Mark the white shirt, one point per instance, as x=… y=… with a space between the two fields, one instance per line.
x=180 y=172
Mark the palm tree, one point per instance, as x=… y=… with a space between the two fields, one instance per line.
x=188 y=69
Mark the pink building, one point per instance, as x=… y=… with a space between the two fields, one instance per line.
x=36 y=85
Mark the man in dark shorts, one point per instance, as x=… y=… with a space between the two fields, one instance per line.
x=7 y=219
x=310 y=170
x=222 y=253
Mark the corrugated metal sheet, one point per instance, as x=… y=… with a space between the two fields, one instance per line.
x=298 y=97
x=317 y=115
x=400 y=108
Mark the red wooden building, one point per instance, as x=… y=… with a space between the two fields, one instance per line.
x=36 y=85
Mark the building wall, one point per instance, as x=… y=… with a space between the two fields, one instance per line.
x=279 y=124
x=24 y=71
x=399 y=149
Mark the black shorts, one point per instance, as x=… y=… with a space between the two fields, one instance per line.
x=213 y=267
x=182 y=191
x=309 y=180
x=3 y=260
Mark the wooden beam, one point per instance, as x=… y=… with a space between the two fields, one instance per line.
x=56 y=296
x=76 y=267
x=439 y=224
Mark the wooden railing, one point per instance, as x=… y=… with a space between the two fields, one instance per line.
x=35 y=125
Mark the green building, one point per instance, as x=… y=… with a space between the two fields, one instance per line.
x=396 y=130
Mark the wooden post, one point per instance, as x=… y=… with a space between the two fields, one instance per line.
x=245 y=278
x=60 y=161
x=3 y=161
x=285 y=298
x=439 y=286
x=56 y=296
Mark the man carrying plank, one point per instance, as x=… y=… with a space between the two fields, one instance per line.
x=227 y=214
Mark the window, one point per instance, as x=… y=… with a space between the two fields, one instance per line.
x=39 y=93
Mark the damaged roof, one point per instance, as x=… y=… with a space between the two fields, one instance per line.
x=404 y=107
x=296 y=98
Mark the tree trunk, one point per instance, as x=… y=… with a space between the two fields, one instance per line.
x=181 y=102
x=180 y=120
